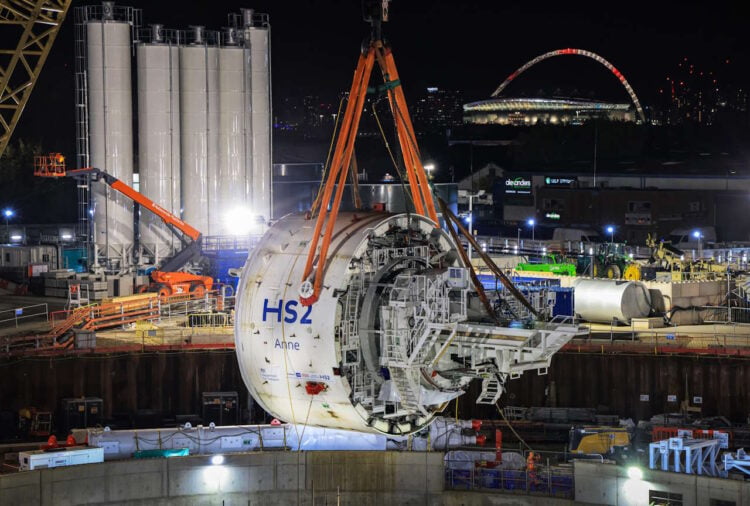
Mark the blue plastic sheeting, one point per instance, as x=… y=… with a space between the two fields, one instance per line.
x=222 y=261
x=518 y=481
x=563 y=302
x=563 y=295
x=491 y=282
x=74 y=258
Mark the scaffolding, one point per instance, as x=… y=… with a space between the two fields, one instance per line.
x=685 y=455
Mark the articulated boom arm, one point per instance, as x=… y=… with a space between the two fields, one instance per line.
x=421 y=193
x=53 y=165
x=172 y=221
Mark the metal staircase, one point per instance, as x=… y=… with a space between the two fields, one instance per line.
x=409 y=398
x=491 y=390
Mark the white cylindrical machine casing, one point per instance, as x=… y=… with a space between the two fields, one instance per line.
x=282 y=346
x=227 y=439
x=199 y=131
x=259 y=185
x=602 y=300
x=159 y=141
x=391 y=330
x=233 y=120
x=110 y=110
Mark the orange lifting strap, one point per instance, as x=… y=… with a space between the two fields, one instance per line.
x=342 y=155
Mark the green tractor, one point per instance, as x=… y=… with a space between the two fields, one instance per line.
x=608 y=261
x=549 y=263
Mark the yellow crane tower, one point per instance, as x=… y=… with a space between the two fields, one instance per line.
x=37 y=23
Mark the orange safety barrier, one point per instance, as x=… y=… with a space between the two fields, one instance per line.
x=95 y=317
x=659 y=433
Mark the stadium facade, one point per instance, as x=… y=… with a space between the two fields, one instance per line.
x=544 y=111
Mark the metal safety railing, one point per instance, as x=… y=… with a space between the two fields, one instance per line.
x=545 y=481
x=719 y=338
x=214 y=312
x=524 y=246
x=215 y=243
x=20 y=314
x=209 y=320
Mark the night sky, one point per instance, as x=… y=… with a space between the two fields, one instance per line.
x=467 y=45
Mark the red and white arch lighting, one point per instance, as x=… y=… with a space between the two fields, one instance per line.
x=580 y=52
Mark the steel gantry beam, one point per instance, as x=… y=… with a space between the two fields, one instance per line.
x=37 y=23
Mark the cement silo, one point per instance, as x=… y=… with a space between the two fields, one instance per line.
x=234 y=120
x=159 y=137
x=257 y=41
x=110 y=127
x=199 y=129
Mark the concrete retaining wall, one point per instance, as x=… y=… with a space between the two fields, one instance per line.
x=357 y=478
x=608 y=484
x=255 y=479
x=688 y=294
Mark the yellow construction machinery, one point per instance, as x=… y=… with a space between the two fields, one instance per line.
x=36 y=23
x=604 y=441
x=667 y=258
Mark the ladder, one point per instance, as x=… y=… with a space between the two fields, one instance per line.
x=409 y=399
x=491 y=391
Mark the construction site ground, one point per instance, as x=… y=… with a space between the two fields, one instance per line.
x=145 y=327
x=706 y=338
x=167 y=332
x=24 y=326
x=173 y=332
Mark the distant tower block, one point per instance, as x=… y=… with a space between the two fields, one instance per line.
x=199 y=116
x=110 y=116
x=159 y=137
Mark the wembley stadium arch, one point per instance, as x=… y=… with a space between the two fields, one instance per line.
x=579 y=52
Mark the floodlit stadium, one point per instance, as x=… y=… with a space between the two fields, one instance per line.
x=533 y=111
x=564 y=111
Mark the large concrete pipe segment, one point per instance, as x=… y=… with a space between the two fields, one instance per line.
x=605 y=300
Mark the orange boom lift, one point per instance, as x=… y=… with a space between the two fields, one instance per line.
x=168 y=280
x=375 y=12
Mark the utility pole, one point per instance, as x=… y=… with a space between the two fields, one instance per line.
x=596 y=141
x=471 y=216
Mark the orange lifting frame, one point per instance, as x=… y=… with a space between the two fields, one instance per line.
x=418 y=184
